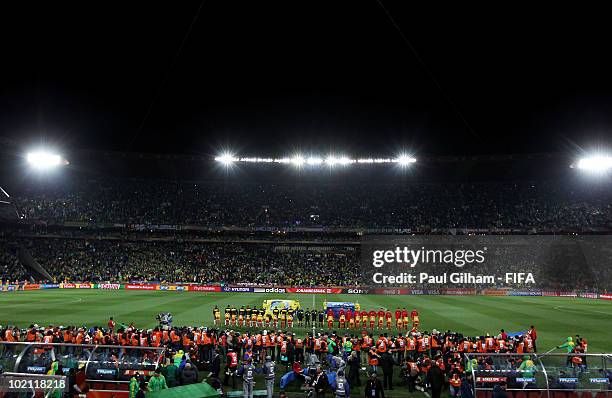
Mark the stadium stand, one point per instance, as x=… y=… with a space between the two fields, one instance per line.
x=103 y=259
x=151 y=230
x=541 y=206
x=303 y=235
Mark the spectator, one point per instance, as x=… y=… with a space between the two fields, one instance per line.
x=435 y=376
x=170 y=372
x=467 y=387
x=353 y=373
x=189 y=375
x=320 y=383
x=215 y=364
x=386 y=362
x=373 y=387
x=157 y=382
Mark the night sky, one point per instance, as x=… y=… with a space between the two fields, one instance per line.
x=264 y=77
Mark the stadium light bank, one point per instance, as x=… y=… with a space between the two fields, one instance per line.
x=298 y=160
x=45 y=160
x=594 y=164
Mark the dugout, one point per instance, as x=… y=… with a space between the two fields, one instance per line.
x=107 y=368
x=548 y=376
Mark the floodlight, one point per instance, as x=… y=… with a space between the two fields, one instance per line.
x=43 y=160
x=297 y=160
x=226 y=159
x=314 y=161
x=256 y=160
x=404 y=160
x=331 y=160
x=344 y=161
x=595 y=164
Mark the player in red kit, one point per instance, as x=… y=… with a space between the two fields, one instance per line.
x=381 y=318
x=398 y=318
x=389 y=319
x=405 y=318
x=330 y=319
x=364 y=319
x=415 y=319
x=349 y=319
x=341 y=319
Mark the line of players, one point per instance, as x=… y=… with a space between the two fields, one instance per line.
x=344 y=319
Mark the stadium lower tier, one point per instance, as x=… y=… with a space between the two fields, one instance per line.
x=556 y=264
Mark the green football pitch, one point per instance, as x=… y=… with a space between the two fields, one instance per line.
x=555 y=318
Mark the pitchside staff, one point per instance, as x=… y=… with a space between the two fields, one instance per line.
x=424 y=357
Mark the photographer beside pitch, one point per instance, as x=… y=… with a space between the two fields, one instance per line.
x=268 y=369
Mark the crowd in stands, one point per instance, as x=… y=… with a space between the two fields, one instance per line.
x=543 y=205
x=10 y=268
x=124 y=261
x=272 y=263
x=128 y=253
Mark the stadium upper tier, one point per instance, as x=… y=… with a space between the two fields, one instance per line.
x=538 y=206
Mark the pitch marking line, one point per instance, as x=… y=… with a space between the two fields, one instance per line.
x=570 y=310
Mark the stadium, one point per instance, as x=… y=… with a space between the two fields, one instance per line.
x=205 y=200
x=77 y=273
